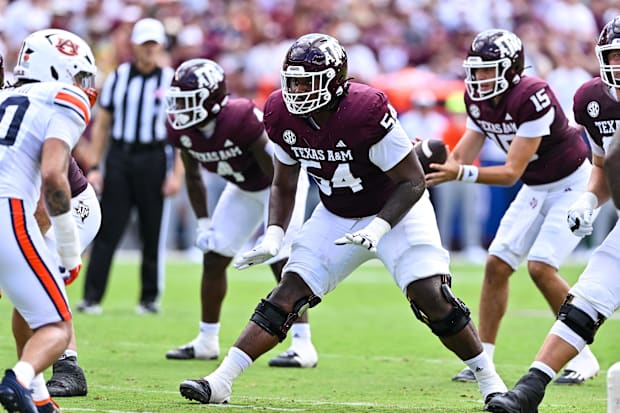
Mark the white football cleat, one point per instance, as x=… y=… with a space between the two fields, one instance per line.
x=296 y=356
x=196 y=349
x=582 y=367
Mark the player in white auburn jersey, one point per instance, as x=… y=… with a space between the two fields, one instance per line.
x=68 y=377
x=41 y=119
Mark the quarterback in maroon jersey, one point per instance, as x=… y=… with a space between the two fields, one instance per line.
x=226 y=137
x=596 y=295
x=374 y=204
x=523 y=117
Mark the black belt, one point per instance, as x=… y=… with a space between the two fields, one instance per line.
x=135 y=147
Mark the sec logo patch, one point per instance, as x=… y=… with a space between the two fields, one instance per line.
x=289 y=137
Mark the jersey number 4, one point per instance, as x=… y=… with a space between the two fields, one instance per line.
x=11 y=115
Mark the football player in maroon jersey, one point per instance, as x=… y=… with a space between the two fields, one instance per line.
x=523 y=117
x=596 y=295
x=226 y=136
x=374 y=204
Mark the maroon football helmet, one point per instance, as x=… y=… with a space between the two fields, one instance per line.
x=319 y=63
x=494 y=48
x=609 y=40
x=197 y=93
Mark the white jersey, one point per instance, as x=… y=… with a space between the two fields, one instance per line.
x=29 y=115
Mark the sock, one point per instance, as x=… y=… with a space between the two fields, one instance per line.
x=68 y=353
x=489 y=348
x=209 y=329
x=486 y=376
x=543 y=368
x=235 y=363
x=300 y=333
x=24 y=373
x=39 y=389
x=481 y=364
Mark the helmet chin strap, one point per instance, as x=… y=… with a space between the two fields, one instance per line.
x=313 y=122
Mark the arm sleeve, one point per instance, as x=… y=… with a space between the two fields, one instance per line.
x=392 y=149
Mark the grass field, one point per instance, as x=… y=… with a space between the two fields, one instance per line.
x=374 y=356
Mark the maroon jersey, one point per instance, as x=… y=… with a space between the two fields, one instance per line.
x=597 y=111
x=226 y=151
x=560 y=152
x=77 y=180
x=337 y=155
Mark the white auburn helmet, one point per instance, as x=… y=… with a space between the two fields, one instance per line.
x=54 y=55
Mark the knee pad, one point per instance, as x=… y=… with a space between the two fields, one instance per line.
x=454 y=321
x=275 y=321
x=578 y=320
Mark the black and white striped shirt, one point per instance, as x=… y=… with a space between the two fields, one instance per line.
x=136 y=103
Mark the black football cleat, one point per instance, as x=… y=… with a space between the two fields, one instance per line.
x=14 y=397
x=201 y=390
x=67 y=379
x=523 y=398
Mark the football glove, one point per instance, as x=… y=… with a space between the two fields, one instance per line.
x=267 y=249
x=367 y=237
x=580 y=214
x=203 y=234
x=69 y=276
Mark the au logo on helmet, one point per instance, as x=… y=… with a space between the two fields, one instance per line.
x=67 y=47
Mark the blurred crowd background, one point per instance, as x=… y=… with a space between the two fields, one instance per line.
x=412 y=49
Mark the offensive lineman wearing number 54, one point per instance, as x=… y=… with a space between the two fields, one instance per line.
x=374 y=204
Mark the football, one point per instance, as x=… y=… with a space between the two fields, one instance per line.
x=430 y=151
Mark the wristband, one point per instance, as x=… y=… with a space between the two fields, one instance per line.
x=204 y=223
x=378 y=227
x=587 y=200
x=67 y=239
x=274 y=234
x=467 y=173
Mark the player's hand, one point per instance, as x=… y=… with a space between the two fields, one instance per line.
x=204 y=234
x=69 y=276
x=367 y=237
x=580 y=221
x=581 y=214
x=361 y=238
x=267 y=249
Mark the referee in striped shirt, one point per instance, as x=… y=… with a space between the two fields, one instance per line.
x=140 y=169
